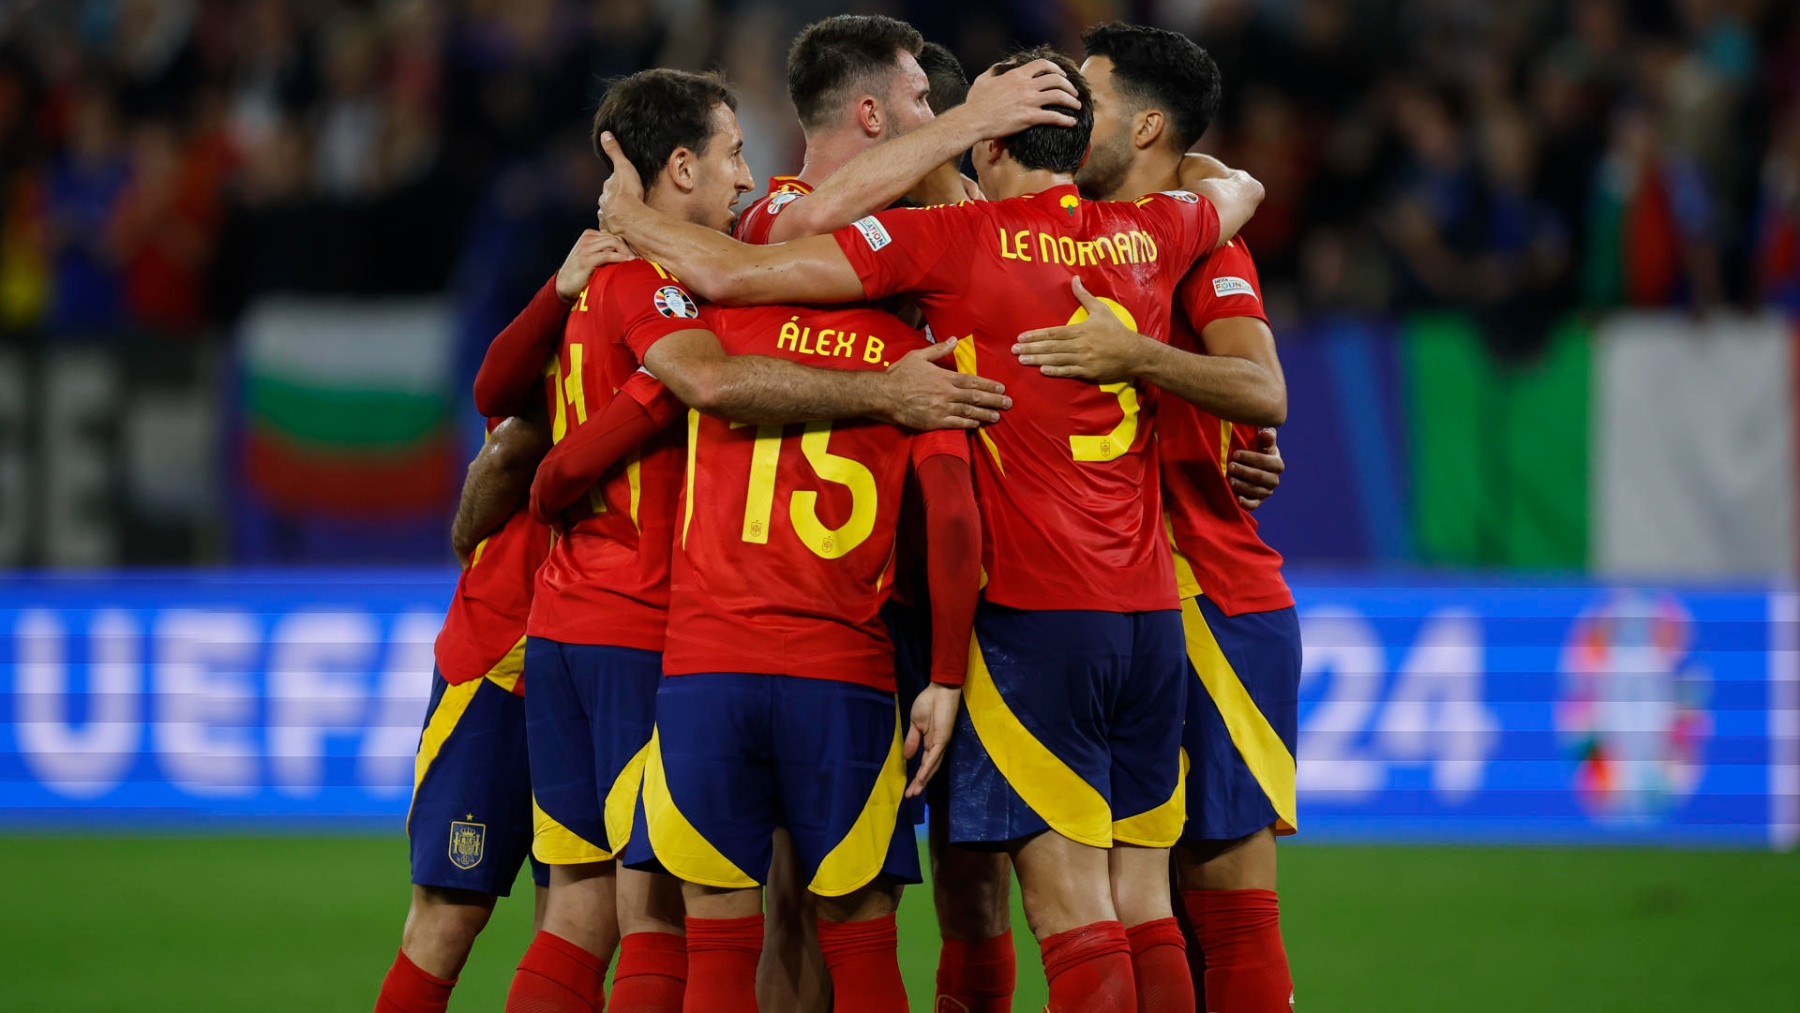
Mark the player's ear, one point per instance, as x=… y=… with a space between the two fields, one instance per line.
x=1148 y=128
x=681 y=169
x=868 y=115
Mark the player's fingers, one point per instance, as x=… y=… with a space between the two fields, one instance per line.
x=1265 y=439
x=914 y=736
x=1065 y=372
x=1252 y=482
x=1051 y=359
x=1061 y=332
x=1087 y=299
x=934 y=352
x=1266 y=462
x=974 y=414
x=982 y=391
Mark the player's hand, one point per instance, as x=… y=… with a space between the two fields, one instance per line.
x=925 y=395
x=1196 y=168
x=971 y=189
x=1100 y=348
x=1037 y=94
x=933 y=719
x=593 y=249
x=624 y=187
x=1256 y=473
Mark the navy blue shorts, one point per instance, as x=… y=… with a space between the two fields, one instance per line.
x=1242 y=712
x=589 y=714
x=909 y=627
x=1071 y=722
x=470 y=823
x=737 y=755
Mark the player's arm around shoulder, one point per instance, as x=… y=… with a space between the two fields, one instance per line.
x=497 y=481
x=1233 y=193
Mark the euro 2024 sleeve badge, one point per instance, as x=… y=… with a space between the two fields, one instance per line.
x=468 y=841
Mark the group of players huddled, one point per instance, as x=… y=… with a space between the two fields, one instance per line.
x=915 y=490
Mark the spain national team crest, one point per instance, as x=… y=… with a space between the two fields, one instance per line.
x=468 y=841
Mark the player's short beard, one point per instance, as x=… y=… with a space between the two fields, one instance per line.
x=1108 y=163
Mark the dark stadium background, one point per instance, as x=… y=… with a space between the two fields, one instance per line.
x=1534 y=267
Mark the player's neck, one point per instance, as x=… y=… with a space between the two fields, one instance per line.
x=1021 y=182
x=828 y=152
x=1149 y=174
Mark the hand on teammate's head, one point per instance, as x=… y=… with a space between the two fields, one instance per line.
x=1036 y=94
x=624 y=185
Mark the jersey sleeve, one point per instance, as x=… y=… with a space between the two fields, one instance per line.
x=1187 y=225
x=940 y=442
x=1223 y=285
x=911 y=249
x=758 y=220
x=655 y=398
x=646 y=304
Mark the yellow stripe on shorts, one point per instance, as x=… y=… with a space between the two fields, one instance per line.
x=621 y=800
x=1256 y=741
x=554 y=844
x=1072 y=807
x=858 y=858
x=507 y=672
x=678 y=846
x=450 y=709
x=1159 y=827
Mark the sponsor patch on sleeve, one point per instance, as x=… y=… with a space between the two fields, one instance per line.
x=1228 y=285
x=672 y=302
x=1181 y=195
x=873 y=232
x=781 y=200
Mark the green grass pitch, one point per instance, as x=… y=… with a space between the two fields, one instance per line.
x=310 y=924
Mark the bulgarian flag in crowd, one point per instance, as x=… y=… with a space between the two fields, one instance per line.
x=346 y=407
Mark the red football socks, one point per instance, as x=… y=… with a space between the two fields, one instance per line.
x=556 y=976
x=652 y=973
x=407 y=989
x=865 y=965
x=1089 y=969
x=1239 y=933
x=978 y=977
x=722 y=954
x=1159 y=964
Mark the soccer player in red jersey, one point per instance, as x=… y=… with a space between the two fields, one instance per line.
x=850 y=77
x=778 y=708
x=470 y=821
x=593 y=655
x=1078 y=665
x=871 y=134
x=1154 y=95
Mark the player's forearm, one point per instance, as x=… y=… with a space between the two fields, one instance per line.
x=1235 y=389
x=498 y=479
x=952 y=563
x=514 y=363
x=723 y=270
x=1235 y=197
x=766 y=391
x=876 y=178
x=574 y=465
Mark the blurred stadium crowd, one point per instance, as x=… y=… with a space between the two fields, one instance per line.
x=164 y=161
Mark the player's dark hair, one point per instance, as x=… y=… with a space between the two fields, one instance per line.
x=1157 y=68
x=949 y=85
x=1046 y=146
x=654 y=112
x=831 y=58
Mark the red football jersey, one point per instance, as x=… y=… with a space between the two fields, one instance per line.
x=487 y=614
x=606 y=580
x=1071 y=515
x=1218 y=550
x=787 y=534
x=754 y=224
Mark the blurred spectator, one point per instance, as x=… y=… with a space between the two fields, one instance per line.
x=163 y=162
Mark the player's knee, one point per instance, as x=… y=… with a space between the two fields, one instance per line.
x=973 y=894
x=877 y=900
x=445 y=920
